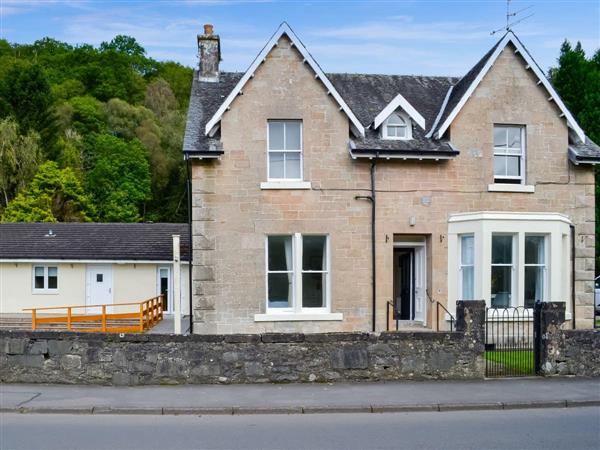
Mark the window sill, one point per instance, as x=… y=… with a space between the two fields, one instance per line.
x=297 y=317
x=501 y=187
x=285 y=185
x=45 y=292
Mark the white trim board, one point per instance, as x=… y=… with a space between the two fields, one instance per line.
x=399 y=101
x=531 y=64
x=284 y=28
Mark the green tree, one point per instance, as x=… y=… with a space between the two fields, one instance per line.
x=19 y=158
x=577 y=80
x=119 y=179
x=54 y=195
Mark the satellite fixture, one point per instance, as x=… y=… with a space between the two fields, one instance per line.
x=509 y=16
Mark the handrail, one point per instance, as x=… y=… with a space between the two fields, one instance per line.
x=437 y=314
x=149 y=314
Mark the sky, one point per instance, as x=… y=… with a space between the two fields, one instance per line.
x=427 y=37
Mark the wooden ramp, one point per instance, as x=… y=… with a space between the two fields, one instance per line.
x=133 y=317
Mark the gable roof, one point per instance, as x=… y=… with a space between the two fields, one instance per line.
x=92 y=241
x=465 y=87
x=284 y=29
x=399 y=101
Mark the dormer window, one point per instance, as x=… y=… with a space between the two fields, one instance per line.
x=396 y=127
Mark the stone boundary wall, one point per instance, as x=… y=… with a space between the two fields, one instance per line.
x=80 y=358
x=133 y=359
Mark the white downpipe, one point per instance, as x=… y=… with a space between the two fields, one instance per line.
x=176 y=285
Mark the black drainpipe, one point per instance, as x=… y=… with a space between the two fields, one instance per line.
x=573 y=273
x=191 y=246
x=372 y=199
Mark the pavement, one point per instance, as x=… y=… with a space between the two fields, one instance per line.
x=367 y=397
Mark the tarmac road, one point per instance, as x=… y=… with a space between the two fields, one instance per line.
x=548 y=429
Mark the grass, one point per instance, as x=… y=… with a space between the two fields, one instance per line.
x=519 y=361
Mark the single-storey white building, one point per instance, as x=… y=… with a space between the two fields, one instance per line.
x=66 y=264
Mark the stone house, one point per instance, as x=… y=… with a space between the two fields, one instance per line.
x=341 y=202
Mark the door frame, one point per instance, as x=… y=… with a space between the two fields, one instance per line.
x=170 y=305
x=419 y=286
x=88 y=284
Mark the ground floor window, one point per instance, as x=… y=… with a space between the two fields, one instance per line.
x=509 y=259
x=297 y=273
x=45 y=278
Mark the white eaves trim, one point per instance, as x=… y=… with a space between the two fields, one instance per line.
x=511 y=38
x=399 y=101
x=493 y=215
x=284 y=28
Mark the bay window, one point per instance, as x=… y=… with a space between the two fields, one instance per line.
x=502 y=270
x=467 y=267
x=297 y=273
x=535 y=269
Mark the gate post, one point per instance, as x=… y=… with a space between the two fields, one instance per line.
x=548 y=317
x=470 y=318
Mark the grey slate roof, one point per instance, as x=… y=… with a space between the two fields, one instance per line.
x=92 y=241
x=366 y=95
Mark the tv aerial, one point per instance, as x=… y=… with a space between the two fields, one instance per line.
x=510 y=16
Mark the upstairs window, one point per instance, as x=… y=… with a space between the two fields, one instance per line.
x=285 y=150
x=396 y=127
x=509 y=154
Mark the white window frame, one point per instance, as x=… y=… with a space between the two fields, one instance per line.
x=462 y=266
x=270 y=150
x=407 y=128
x=544 y=266
x=297 y=271
x=513 y=267
x=45 y=289
x=508 y=179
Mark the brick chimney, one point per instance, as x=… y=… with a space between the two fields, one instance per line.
x=209 y=52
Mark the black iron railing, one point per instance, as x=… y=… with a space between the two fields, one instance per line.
x=438 y=305
x=509 y=342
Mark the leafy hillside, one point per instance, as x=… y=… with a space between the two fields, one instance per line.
x=91 y=133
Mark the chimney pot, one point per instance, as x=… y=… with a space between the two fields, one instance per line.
x=208 y=29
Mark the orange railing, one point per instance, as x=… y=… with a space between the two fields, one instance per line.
x=144 y=316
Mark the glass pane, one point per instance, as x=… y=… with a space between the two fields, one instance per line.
x=292 y=165
x=501 y=286
x=313 y=252
x=313 y=290
x=395 y=120
x=293 y=140
x=467 y=283
x=534 y=250
x=500 y=166
x=501 y=249
x=164 y=285
x=499 y=137
x=280 y=290
x=276 y=136
x=280 y=252
x=39 y=278
x=514 y=137
x=467 y=250
x=52 y=282
x=534 y=285
x=275 y=165
x=513 y=166
x=99 y=277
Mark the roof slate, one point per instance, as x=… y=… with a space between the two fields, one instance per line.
x=92 y=241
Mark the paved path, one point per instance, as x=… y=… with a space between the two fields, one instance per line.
x=303 y=398
x=547 y=429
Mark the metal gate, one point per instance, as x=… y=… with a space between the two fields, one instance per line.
x=511 y=342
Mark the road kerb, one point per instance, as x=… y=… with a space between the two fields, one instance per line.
x=156 y=411
x=535 y=404
x=336 y=409
x=404 y=408
x=579 y=403
x=53 y=410
x=469 y=406
x=200 y=411
x=243 y=410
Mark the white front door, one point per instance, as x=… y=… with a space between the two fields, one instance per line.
x=420 y=284
x=99 y=287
